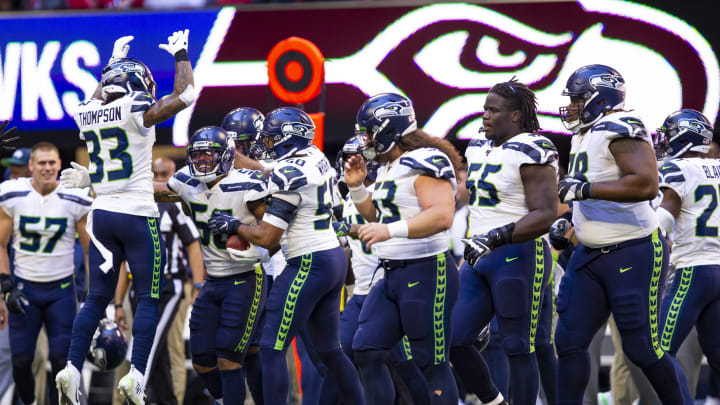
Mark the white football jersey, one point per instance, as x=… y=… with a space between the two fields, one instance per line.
x=395 y=199
x=230 y=195
x=497 y=195
x=43 y=228
x=695 y=235
x=364 y=262
x=601 y=223
x=120 y=149
x=309 y=228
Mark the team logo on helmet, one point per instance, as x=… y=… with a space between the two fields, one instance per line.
x=606 y=80
x=258 y=123
x=297 y=129
x=392 y=110
x=696 y=126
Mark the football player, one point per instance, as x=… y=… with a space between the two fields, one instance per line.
x=690 y=183
x=621 y=256
x=415 y=200
x=307 y=292
x=43 y=218
x=226 y=311
x=242 y=125
x=367 y=272
x=512 y=179
x=118 y=125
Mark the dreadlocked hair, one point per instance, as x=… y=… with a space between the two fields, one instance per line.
x=522 y=99
x=420 y=139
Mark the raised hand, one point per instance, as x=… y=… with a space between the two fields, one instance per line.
x=6 y=136
x=177 y=42
x=355 y=171
x=76 y=176
x=121 y=48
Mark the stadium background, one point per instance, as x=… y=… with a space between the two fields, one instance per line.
x=50 y=60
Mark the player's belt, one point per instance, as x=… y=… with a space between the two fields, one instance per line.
x=390 y=264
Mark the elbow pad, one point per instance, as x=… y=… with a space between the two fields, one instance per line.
x=666 y=219
x=188 y=96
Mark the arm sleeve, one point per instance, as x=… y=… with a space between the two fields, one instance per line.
x=432 y=162
x=672 y=176
x=287 y=178
x=140 y=102
x=534 y=150
x=280 y=209
x=626 y=126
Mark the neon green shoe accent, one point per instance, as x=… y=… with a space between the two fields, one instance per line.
x=536 y=291
x=157 y=258
x=675 y=306
x=252 y=315
x=291 y=300
x=654 y=287
x=439 y=310
x=406 y=348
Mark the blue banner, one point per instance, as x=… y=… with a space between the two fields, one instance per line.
x=49 y=63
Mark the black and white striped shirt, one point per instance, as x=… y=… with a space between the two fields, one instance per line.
x=178 y=231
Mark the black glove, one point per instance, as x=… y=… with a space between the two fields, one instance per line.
x=557 y=233
x=15 y=301
x=5 y=136
x=222 y=223
x=480 y=245
x=572 y=189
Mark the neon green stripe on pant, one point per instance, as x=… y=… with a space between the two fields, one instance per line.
x=291 y=300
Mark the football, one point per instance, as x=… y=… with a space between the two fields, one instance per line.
x=237 y=243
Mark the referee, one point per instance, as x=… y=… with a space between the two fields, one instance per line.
x=183 y=254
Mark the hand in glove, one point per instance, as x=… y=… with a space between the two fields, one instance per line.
x=222 y=223
x=572 y=189
x=177 y=43
x=481 y=245
x=76 y=176
x=341 y=228
x=121 y=48
x=558 y=229
x=6 y=136
x=14 y=298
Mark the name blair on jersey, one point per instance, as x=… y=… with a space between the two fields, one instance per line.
x=712 y=172
x=100 y=116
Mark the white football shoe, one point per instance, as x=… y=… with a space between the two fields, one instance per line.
x=68 y=385
x=132 y=387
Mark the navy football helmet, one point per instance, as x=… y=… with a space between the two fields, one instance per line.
x=242 y=125
x=358 y=144
x=210 y=154
x=684 y=131
x=385 y=118
x=126 y=75
x=601 y=89
x=108 y=346
x=285 y=131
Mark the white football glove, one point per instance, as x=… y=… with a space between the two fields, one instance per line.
x=251 y=253
x=176 y=42
x=75 y=177
x=121 y=48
